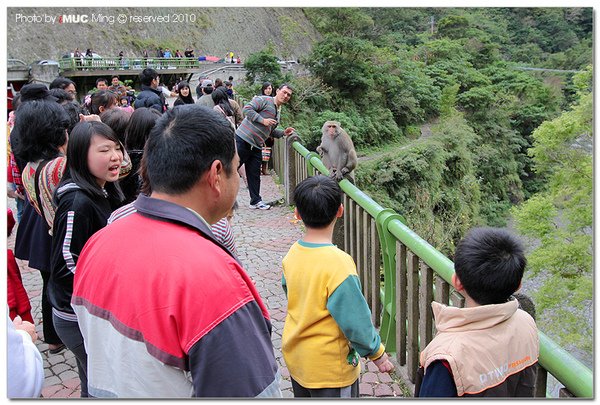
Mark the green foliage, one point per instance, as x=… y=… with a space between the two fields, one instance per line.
x=453 y=26
x=345 y=22
x=431 y=182
x=448 y=100
x=263 y=67
x=561 y=216
x=343 y=63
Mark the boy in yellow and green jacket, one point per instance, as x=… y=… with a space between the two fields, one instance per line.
x=328 y=323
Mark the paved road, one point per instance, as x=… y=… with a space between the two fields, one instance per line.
x=263 y=238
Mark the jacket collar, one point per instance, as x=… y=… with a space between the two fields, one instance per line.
x=451 y=319
x=162 y=210
x=144 y=87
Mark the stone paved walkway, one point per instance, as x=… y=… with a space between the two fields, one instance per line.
x=263 y=238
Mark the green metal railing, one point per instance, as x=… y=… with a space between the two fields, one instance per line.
x=83 y=63
x=414 y=275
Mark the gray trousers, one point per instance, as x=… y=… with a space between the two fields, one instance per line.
x=70 y=335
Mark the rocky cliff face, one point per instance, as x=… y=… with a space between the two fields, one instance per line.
x=35 y=33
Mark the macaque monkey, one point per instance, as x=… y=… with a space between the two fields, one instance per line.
x=337 y=151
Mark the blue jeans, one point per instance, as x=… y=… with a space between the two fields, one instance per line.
x=70 y=334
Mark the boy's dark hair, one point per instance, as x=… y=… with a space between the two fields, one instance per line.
x=318 y=199
x=101 y=79
x=102 y=98
x=490 y=263
x=183 y=145
x=147 y=76
x=284 y=85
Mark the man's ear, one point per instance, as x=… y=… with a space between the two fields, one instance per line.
x=340 y=211
x=297 y=214
x=456 y=283
x=214 y=174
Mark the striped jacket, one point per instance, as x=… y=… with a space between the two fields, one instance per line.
x=172 y=315
x=78 y=216
x=252 y=129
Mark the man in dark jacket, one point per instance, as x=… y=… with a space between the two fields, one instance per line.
x=150 y=96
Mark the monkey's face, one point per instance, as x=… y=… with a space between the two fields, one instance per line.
x=332 y=130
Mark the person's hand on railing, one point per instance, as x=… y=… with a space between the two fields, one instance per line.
x=288 y=131
x=384 y=364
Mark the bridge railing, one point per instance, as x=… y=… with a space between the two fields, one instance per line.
x=401 y=274
x=87 y=63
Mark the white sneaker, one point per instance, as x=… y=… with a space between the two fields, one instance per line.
x=260 y=205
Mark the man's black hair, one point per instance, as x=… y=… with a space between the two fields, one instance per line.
x=182 y=146
x=113 y=76
x=490 y=263
x=61 y=83
x=101 y=79
x=147 y=75
x=283 y=85
x=318 y=199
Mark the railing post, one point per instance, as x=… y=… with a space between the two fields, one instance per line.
x=401 y=302
x=388 y=254
x=289 y=168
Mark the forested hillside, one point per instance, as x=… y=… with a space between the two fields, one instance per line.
x=461 y=73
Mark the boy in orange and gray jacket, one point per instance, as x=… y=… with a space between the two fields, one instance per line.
x=490 y=347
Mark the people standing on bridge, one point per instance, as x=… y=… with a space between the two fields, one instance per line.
x=223 y=350
x=490 y=347
x=189 y=52
x=84 y=199
x=206 y=87
x=89 y=55
x=262 y=117
x=185 y=94
x=328 y=324
x=150 y=96
x=78 y=57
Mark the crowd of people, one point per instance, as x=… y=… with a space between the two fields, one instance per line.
x=175 y=314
